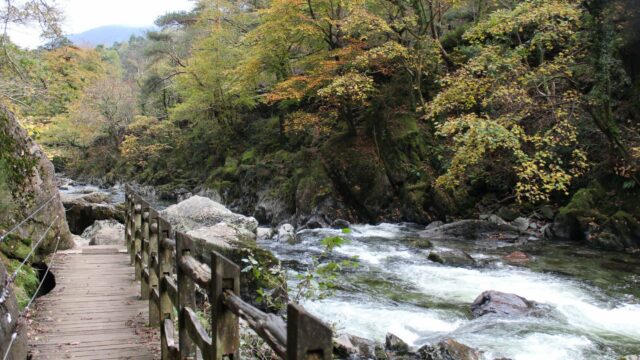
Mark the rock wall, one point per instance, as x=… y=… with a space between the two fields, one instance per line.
x=42 y=186
x=8 y=323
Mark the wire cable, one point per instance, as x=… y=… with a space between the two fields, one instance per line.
x=3 y=236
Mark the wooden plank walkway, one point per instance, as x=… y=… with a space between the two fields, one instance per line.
x=94 y=312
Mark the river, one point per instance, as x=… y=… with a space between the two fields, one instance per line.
x=594 y=296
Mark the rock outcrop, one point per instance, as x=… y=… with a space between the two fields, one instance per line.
x=453 y=257
x=593 y=217
x=41 y=186
x=84 y=210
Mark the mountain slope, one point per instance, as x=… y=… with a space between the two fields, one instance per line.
x=107 y=35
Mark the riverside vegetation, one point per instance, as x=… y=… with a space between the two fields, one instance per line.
x=318 y=112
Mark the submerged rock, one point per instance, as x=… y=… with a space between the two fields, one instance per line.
x=517 y=258
x=447 y=349
x=452 y=257
x=499 y=303
x=471 y=230
x=104 y=232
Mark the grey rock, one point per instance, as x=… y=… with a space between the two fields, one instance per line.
x=454 y=257
x=447 y=349
x=340 y=224
x=471 y=230
x=434 y=224
x=495 y=219
x=286 y=233
x=84 y=210
x=521 y=223
x=547 y=212
x=395 y=344
x=265 y=233
x=316 y=222
x=501 y=304
x=104 y=232
x=197 y=212
x=508 y=213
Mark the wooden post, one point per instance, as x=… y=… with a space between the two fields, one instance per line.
x=145 y=272
x=137 y=236
x=307 y=336
x=154 y=270
x=127 y=217
x=225 y=327
x=186 y=296
x=165 y=267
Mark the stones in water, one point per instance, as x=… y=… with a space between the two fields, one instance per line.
x=394 y=344
x=286 y=233
x=420 y=243
x=471 y=230
x=265 y=233
x=501 y=304
x=454 y=257
x=521 y=224
x=84 y=210
x=352 y=347
x=447 y=349
x=104 y=232
x=316 y=222
x=340 y=224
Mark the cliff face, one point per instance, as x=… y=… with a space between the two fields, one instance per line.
x=42 y=186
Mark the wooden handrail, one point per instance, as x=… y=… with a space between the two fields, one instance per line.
x=168 y=270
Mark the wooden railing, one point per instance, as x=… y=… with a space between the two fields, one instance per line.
x=168 y=270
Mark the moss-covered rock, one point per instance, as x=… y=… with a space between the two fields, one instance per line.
x=598 y=218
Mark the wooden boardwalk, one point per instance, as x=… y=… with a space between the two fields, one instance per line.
x=94 y=312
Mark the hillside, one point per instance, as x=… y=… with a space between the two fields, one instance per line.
x=107 y=35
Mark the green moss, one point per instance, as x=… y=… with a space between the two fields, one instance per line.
x=16 y=247
x=248 y=157
x=435 y=258
x=26 y=282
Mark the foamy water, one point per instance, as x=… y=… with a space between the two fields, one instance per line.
x=583 y=322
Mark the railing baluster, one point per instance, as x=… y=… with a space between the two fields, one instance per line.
x=144 y=252
x=308 y=338
x=154 y=269
x=137 y=237
x=225 y=275
x=186 y=295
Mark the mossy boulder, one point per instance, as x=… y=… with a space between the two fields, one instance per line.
x=601 y=219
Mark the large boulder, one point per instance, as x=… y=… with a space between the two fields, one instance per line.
x=501 y=304
x=447 y=349
x=286 y=233
x=197 y=212
x=38 y=189
x=352 y=347
x=472 y=230
x=84 y=210
x=105 y=232
x=213 y=227
x=599 y=219
x=8 y=322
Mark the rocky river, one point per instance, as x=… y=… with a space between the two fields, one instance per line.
x=588 y=300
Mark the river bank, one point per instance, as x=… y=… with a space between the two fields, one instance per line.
x=592 y=296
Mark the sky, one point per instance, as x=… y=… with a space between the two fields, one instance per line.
x=82 y=15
